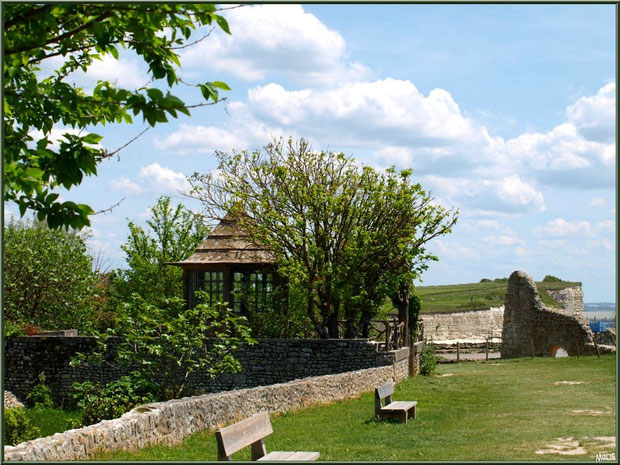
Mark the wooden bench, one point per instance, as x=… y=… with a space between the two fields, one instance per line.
x=401 y=410
x=251 y=431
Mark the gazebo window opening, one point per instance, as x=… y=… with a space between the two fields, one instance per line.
x=212 y=282
x=252 y=290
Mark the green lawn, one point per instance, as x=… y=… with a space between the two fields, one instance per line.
x=54 y=420
x=504 y=410
x=476 y=296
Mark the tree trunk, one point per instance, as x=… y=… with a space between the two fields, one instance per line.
x=365 y=324
x=322 y=331
x=401 y=302
x=351 y=330
x=332 y=324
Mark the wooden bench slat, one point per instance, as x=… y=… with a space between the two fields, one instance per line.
x=251 y=431
x=400 y=405
x=304 y=456
x=235 y=437
x=290 y=456
x=276 y=455
x=385 y=390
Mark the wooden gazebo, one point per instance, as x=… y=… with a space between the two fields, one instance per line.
x=231 y=268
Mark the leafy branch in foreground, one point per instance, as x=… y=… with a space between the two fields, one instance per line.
x=46 y=144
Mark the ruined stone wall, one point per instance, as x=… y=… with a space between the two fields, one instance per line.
x=571 y=298
x=473 y=325
x=531 y=329
x=268 y=362
x=170 y=422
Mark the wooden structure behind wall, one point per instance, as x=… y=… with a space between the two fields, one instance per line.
x=231 y=267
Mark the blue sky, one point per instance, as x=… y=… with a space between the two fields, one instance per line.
x=506 y=112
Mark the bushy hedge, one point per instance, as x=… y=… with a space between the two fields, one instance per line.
x=428 y=359
x=17 y=427
x=48 y=278
x=113 y=399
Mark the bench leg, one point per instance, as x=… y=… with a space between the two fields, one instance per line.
x=258 y=449
x=412 y=414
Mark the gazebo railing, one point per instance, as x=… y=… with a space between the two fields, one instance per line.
x=390 y=333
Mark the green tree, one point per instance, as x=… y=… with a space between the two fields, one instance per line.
x=48 y=278
x=343 y=233
x=172 y=235
x=167 y=345
x=77 y=34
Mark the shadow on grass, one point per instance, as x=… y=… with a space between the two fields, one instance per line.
x=374 y=420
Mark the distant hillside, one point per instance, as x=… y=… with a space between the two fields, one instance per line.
x=478 y=296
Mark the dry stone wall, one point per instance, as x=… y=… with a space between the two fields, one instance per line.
x=473 y=325
x=170 y=422
x=268 y=362
x=532 y=329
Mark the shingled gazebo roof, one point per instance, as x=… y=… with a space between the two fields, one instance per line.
x=228 y=243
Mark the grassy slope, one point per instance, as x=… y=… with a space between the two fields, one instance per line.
x=477 y=296
x=502 y=411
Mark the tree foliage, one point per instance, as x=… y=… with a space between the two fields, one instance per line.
x=76 y=34
x=167 y=345
x=48 y=278
x=105 y=402
x=347 y=235
x=172 y=235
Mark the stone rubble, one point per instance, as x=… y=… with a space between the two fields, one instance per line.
x=10 y=401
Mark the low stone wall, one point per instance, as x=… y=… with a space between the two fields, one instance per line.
x=170 y=422
x=468 y=347
x=268 y=362
x=473 y=325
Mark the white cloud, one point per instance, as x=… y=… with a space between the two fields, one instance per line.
x=56 y=137
x=503 y=240
x=523 y=252
x=456 y=251
x=125 y=186
x=394 y=123
x=560 y=227
x=519 y=193
x=387 y=112
x=607 y=245
x=580 y=152
x=487 y=224
x=594 y=115
x=604 y=227
x=161 y=179
x=270 y=39
x=124 y=72
x=597 y=202
x=201 y=139
x=509 y=195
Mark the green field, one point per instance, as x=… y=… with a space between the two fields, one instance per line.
x=506 y=410
x=477 y=296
